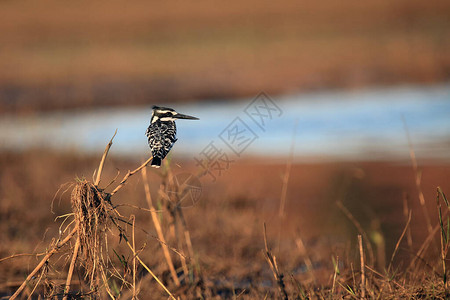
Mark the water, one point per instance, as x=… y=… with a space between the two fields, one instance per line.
x=363 y=124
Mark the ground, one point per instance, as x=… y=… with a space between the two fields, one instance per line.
x=226 y=222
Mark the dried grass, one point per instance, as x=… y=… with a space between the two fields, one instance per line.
x=92 y=215
x=180 y=272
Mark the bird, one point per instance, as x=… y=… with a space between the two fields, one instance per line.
x=162 y=132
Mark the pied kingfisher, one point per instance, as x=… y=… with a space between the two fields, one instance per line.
x=162 y=132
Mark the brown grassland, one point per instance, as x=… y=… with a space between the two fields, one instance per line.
x=221 y=237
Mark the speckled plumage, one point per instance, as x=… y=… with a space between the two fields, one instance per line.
x=162 y=132
x=161 y=137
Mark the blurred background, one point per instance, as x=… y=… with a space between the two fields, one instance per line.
x=71 y=73
x=359 y=86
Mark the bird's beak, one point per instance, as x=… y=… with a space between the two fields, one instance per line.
x=181 y=116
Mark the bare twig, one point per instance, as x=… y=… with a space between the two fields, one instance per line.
x=71 y=267
x=138 y=207
x=20 y=255
x=102 y=162
x=130 y=173
x=39 y=266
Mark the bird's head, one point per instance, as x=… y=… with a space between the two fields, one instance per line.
x=165 y=114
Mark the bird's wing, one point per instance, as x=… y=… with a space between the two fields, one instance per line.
x=161 y=138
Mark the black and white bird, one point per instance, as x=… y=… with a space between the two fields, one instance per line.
x=162 y=132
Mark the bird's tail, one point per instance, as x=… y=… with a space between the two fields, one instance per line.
x=156 y=162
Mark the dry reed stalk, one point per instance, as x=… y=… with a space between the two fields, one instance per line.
x=423 y=248
x=287 y=173
x=284 y=188
x=445 y=232
x=353 y=276
x=134 y=257
x=150 y=271
x=399 y=241
x=71 y=267
x=178 y=222
x=180 y=226
x=164 y=201
x=184 y=266
x=158 y=228
x=405 y=213
x=336 y=272
x=42 y=262
x=418 y=178
x=358 y=227
x=272 y=260
x=363 y=273
x=300 y=291
x=196 y=267
x=187 y=235
x=37 y=283
x=102 y=161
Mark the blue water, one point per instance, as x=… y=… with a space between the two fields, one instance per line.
x=362 y=124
